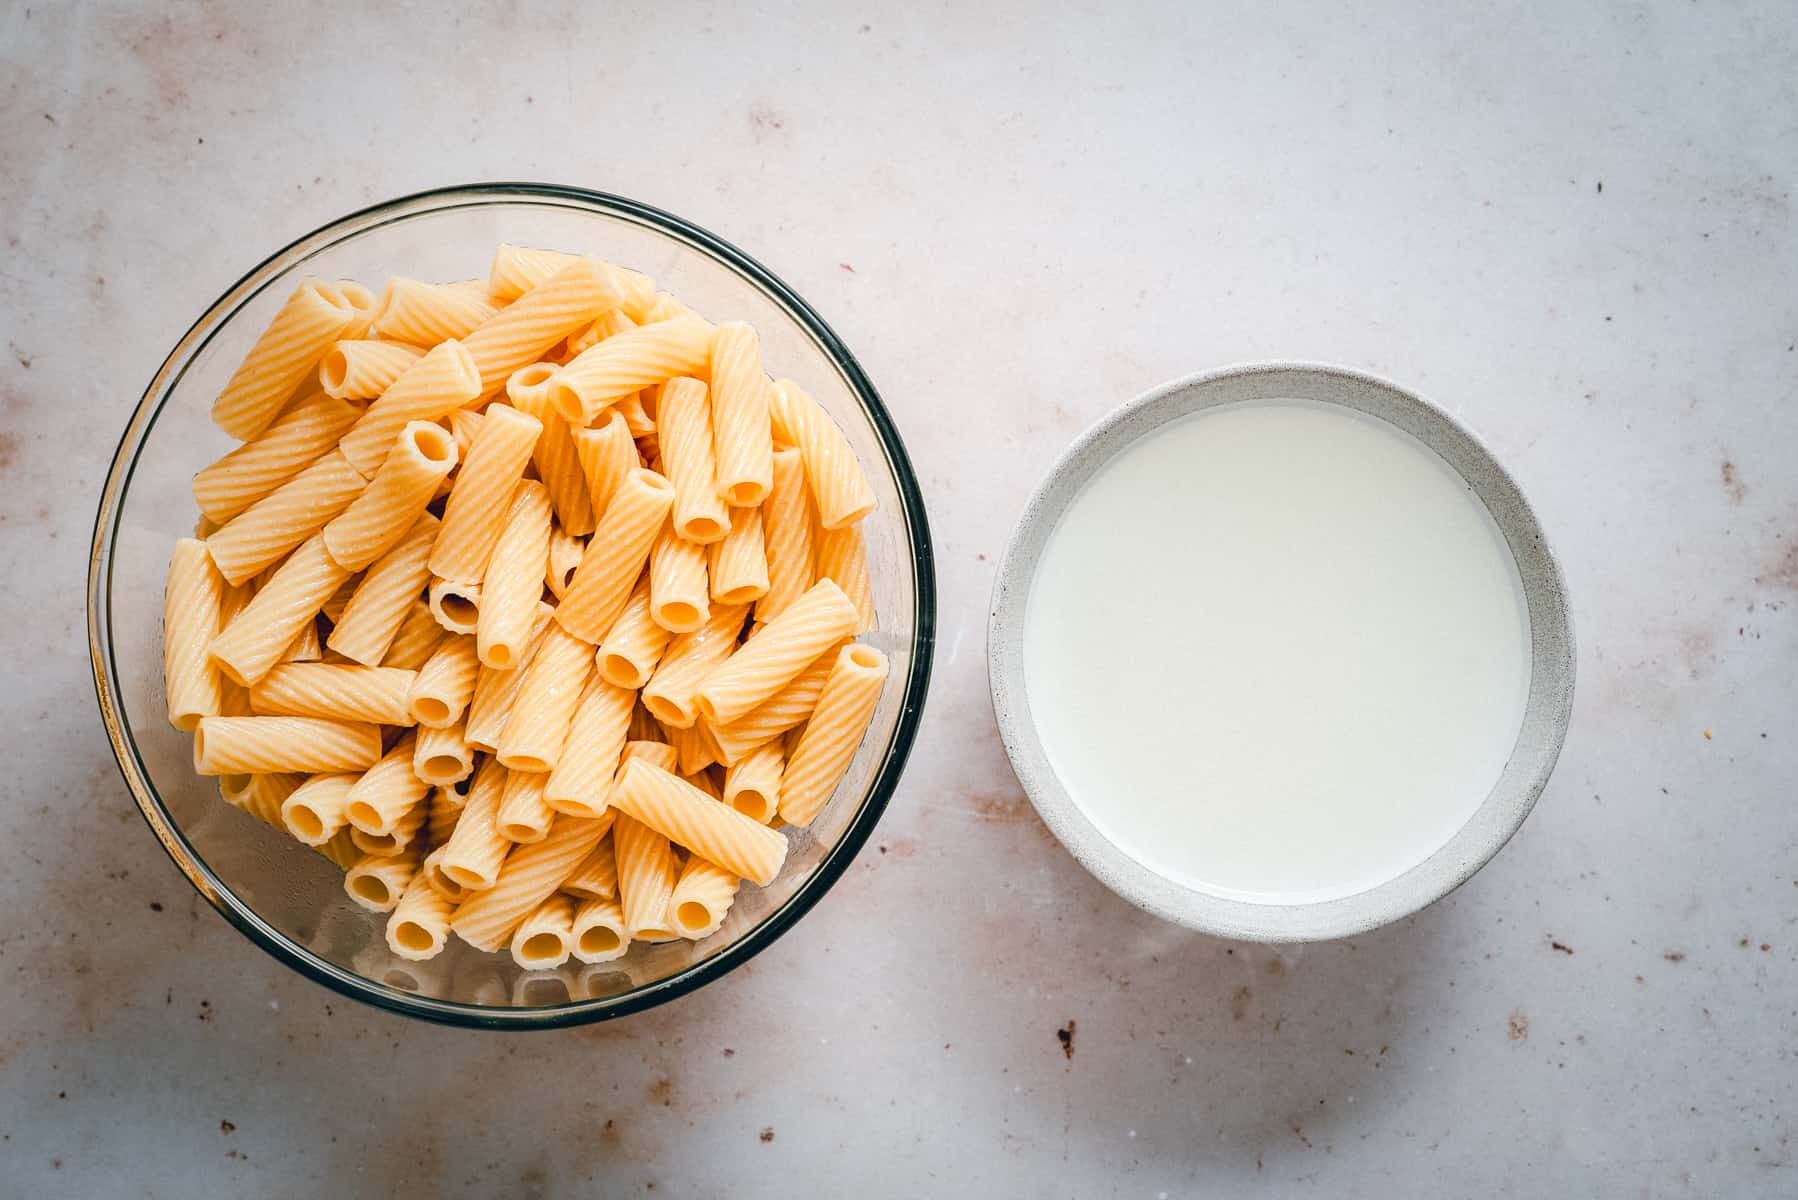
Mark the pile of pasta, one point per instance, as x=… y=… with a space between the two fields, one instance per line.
x=531 y=602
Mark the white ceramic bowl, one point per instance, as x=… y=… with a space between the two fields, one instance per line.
x=1546 y=711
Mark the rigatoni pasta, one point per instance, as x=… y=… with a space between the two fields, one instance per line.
x=457 y=590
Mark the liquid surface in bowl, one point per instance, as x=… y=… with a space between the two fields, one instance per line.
x=1277 y=651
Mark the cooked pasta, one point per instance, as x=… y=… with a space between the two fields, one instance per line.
x=341 y=692
x=557 y=462
x=254 y=640
x=582 y=776
x=456 y=607
x=688 y=817
x=684 y=437
x=537 y=726
x=362 y=369
x=740 y=429
x=689 y=661
x=519 y=333
x=496 y=690
x=417 y=640
x=265 y=532
x=596 y=878
x=536 y=513
x=441 y=755
x=606 y=454
x=679 y=595
x=838 y=485
x=441 y=689
x=786 y=709
x=253 y=470
x=786 y=536
x=615 y=555
x=387 y=790
x=394 y=500
x=752 y=784
x=377 y=881
x=832 y=733
x=738 y=565
x=530 y=873
x=314 y=317
x=630 y=650
x=478 y=501
x=419 y=926
x=366 y=630
x=701 y=898
x=599 y=931
x=190 y=621
x=524 y=816
x=565 y=553
x=472 y=857
x=514 y=578
x=317 y=810
x=425 y=314
x=646 y=875
x=430 y=389
x=259 y=745
x=627 y=362
x=775 y=656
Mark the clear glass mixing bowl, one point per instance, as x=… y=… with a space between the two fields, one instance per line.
x=289 y=900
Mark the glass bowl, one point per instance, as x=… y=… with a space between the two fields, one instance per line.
x=289 y=900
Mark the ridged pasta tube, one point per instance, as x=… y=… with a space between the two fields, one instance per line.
x=659 y=754
x=688 y=817
x=606 y=454
x=441 y=756
x=425 y=314
x=495 y=691
x=294 y=442
x=838 y=485
x=407 y=829
x=684 y=436
x=417 y=640
x=514 y=578
x=341 y=692
x=434 y=386
x=630 y=650
x=441 y=689
x=455 y=606
x=583 y=774
x=645 y=878
x=537 y=726
x=263 y=533
x=628 y=362
x=782 y=711
x=558 y=464
x=599 y=932
x=786 y=536
x=422 y=456
x=378 y=881
x=679 y=596
x=249 y=646
x=843 y=559
x=366 y=630
x=615 y=555
x=260 y=795
x=519 y=333
x=741 y=434
x=832 y=734
x=190 y=621
x=597 y=875
x=317 y=810
x=387 y=790
x=543 y=940
x=478 y=502
x=314 y=317
x=694 y=748
x=752 y=785
x=672 y=693
x=565 y=554
x=701 y=898
x=776 y=655
x=486 y=920
x=524 y=817
x=472 y=857
x=265 y=745
x=362 y=369
x=738 y=565
x=418 y=929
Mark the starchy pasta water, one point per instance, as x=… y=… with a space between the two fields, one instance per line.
x=529 y=601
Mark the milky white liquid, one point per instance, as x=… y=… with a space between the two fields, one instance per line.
x=1277 y=651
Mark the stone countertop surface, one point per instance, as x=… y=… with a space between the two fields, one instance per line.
x=1572 y=226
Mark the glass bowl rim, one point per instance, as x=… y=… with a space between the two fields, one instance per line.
x=242 y=916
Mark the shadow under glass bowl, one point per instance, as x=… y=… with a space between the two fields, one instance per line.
x=288 y=899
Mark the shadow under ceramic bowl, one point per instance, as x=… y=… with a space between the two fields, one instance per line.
x=1547 y=708
x=283 y=896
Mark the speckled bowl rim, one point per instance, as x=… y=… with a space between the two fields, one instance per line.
x=1547 y=710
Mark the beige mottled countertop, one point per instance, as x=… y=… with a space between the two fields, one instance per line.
x=1572 y=226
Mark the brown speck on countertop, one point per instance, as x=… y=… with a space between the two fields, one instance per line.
x=1519 y=1026
x=155 y=906
x=847 y=267
x=1707 y=735
x=1733 y=487
x=729 y=1053
x=662 y=1092
x=1766 y=947
x=1675 y=956
x=1561 y=946
x=1065 y=1035
x=227 y=1127
x=768 y=1134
